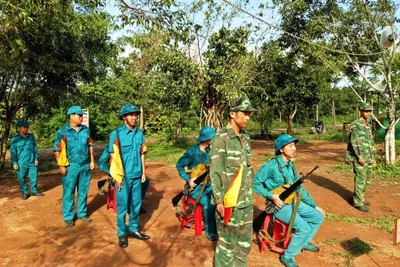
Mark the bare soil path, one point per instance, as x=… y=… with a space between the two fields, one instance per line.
x=33 y=233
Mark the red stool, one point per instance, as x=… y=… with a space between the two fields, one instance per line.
x=279 y=232
x=112 y=198
x=197 y=217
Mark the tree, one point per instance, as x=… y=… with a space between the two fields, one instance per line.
x=53 y=47
x=227 y=73
x=292 y=79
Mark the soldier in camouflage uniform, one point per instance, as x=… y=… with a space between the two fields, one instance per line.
x=230 y=149
x=361 y=152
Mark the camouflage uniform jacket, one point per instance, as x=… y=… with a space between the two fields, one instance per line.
x=361 y=142
x=228 y=152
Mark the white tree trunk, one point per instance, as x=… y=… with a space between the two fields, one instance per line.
x=141 y=124
x=390 y=153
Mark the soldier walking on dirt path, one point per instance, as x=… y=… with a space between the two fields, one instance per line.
x=25 y=158
x=231 y=167
x=130 y=140
x=308 y=218
x=361 y=152
x=74 y=154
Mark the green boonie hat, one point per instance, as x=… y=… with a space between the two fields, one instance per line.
x=240 y=104
x=22 y=123
x=75 y=110
x=365 y=106
x=128 y=108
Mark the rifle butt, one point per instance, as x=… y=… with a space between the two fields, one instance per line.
x=101 y=183
x=176 y=199
x=259 y=221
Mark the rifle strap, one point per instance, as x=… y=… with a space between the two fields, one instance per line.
x=197 y=200
x=264 y=233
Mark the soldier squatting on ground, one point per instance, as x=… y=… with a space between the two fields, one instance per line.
x=199 y=154
x=277 y=172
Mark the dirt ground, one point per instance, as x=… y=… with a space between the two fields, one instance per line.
x=33 y=232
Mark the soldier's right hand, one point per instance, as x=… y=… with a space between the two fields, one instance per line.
x=16 y=167
x=361 y=161
x=119 y=185
x=277 y=201
x=191 y=183
x=221 y=209
x=63 y=170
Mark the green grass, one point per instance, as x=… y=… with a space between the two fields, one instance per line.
x=333 y=241
x=45 y=166
x=385 y=223
x=381 y=171
x=168 y=152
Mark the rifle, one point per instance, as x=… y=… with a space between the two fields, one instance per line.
x=186 y=189
x=270 y=205
x=104 y=184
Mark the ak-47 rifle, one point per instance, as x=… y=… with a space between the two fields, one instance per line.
x=284 y=193
x=186 y=189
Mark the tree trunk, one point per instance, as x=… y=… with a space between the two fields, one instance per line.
x=213 y=116
x=141 y=125
x=292 y=112
x=317 y=112
x=289 y=125
x=333 y=113
x=4 y=140
x=390 y=150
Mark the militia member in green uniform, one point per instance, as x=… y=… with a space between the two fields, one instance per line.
x=25 y=158
x=361 y=152
x=230 y=150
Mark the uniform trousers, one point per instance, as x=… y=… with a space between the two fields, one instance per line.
x=27 y=169
x=235 y=238
x=306 y=223
x=129 y=200
x=77 y=177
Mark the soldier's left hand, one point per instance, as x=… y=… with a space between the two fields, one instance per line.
x=374 y=163
x=91 y=165
x=143 y=177
x=321 y=211
x=36 y=162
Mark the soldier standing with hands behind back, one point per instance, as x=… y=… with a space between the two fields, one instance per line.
x=361 y=152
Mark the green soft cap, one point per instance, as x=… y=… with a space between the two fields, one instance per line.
x=240 y=104
x=365 y=106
